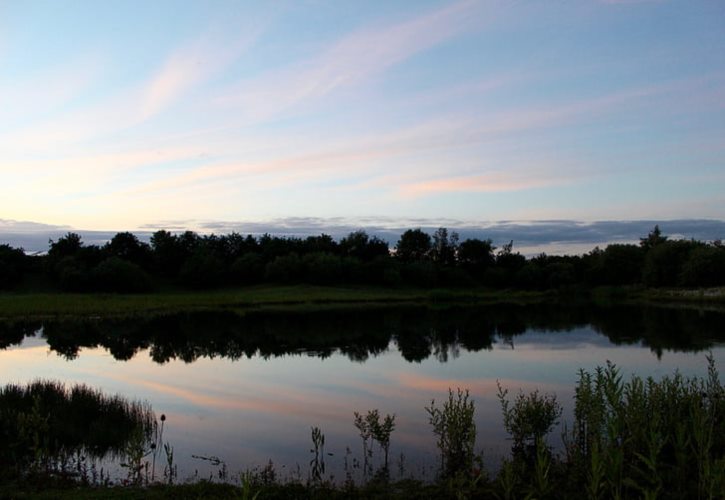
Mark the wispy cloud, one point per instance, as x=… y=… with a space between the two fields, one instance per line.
x=491 y=182
x=631 y=1
x=190 y=66
x=351 y=60
x=185 y=70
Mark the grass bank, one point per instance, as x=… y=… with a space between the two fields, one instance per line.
x=42 y=305
x=49 y=304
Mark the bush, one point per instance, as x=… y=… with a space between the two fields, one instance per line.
x=322 y=268
x=422 y=274
x=72 y=275
x=12 y=266
x=621 y=264
x=202 y=270
x=643 y=438
x=456 y=431
x=663 y=263
x=248 y=269
x=284 y=269
x=704 y=267
x=118 y=275
x=529 y=419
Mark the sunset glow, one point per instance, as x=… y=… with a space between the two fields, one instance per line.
x=117 y=116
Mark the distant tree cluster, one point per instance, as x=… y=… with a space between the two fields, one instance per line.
x=126 y=264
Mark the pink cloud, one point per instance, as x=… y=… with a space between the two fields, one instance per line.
x=493 y=182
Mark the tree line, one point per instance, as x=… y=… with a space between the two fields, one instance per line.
x=190 y=260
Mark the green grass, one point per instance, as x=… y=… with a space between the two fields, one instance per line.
x=41 y=305
x=47 y=304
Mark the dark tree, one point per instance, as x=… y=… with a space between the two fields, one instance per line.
x=167 y=253
x=361 y=246
x=705 y=266
x=413 y=245
x=445 y=247
x=653 y=239
x=118 y=275
x=476 y=256
x=12 y=266
x=66 y=246
x=622 y=264
x=320 y=244
x=248 y=269
x=203 y=269
x=664 y=262
x=127 y=246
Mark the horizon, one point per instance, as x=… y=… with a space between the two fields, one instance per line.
x=553 y=237
x=122 y=116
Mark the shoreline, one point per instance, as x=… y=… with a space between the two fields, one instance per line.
x=43 y=305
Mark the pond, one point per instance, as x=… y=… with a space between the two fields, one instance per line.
x=247 y=387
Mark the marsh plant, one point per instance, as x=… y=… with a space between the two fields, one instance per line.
x=372 y=428
x=528 y=420
x=142 y=451
x=646 y=438
x=639 y=438
x=44 y=424
x=455 y=429
x=317 y=464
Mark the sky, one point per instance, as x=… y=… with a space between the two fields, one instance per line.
x=137 y=115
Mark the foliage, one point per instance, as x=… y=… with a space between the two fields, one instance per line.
x=370 y=427
x=644 y=437
x=284 y=269
x=664 y=262
x=13 y=264
x=45 y=419
x=202 y=270
x=621 y=264
x=117 y=275
x=705 y=266
x=248 y=269
x=529 y=419
x=476 y=255
x=413 y=245
x=420 y=259
x=636 y=439
x=455 y=429
x=445 y=247
x=317 y=464
x=653 y=239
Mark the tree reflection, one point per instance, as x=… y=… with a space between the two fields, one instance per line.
x=418 y=333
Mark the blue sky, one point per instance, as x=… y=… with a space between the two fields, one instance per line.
x=125 y=115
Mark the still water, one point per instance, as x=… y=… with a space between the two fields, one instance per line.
x=247 y=387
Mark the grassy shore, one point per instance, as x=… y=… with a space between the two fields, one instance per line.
x=38 y=305
x=42 y=305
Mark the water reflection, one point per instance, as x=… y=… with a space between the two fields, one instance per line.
x=248 y=387
x=418 y=333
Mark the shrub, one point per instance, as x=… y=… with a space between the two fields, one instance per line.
x=456 y=431
x=248 y=269
x=663 y=263
x=202 y=270
x=118 y=275
x=284 y=269
x=322 y=268
x=529 y=419
x=705 y=266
